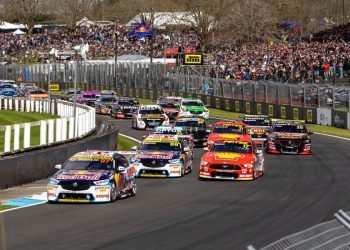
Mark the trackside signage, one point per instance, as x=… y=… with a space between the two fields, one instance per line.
x=324 y=116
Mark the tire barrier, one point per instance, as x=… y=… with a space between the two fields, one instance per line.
x=35 y=165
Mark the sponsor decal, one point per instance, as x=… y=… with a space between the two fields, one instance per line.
x=309 y=115
x=102 y=196
x=51 y=188
x=227 y=104
x=229 y=136
x=217 y=103
x=258 y=108
x=290 y=135
x=295 y=114
x=237 y=107
x=155 y=155
x=228 y=156
x=247 y=107
x=271 y=113
x=283 y=112
x=75 y=175
x=54 y=87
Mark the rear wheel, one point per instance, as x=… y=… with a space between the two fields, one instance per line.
x=113 y=193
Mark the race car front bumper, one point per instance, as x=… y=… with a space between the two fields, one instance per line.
x=302 y=150
x=149 y=124
x=225 y=175
x=95 y=194
x=104 y=111
x=187 y=114
x=169 y=170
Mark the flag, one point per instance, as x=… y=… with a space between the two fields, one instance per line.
x=141 y=30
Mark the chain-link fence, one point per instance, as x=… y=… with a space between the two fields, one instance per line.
x=171 y=78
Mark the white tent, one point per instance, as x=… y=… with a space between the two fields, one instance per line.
x=85 y=22
x=19 y=32
x=11 y=26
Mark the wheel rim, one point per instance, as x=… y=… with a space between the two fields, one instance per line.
x=113 y=192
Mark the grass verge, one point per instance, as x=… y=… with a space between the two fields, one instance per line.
x=217 y=113
x=4 y=207
x=125 y=144
x=9 y=117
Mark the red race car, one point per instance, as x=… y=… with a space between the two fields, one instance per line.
x=227 y=130
x=232 y=160
x=289 y=137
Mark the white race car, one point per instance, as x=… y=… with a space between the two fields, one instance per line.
x=149 y=116
x=162 y=156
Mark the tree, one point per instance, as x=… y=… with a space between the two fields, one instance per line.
x=23 y=11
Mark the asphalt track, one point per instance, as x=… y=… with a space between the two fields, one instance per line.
x=184 y=213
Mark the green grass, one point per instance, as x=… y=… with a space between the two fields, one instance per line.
x=145 y=101
x=330 y=130
x=125 y=144
x=4 y=207
x=224 y=114
x=8 y=117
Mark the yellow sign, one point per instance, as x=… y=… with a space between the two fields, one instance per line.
x=258 y=108
x=207 y=100
x=247 y=107
x=193 y=59
x=217 y=103
x=283 y=112
x=237 y=108
x=271 y=114
x=227 y=104
x=295 y=114
x=309 y=115
x=54 y=87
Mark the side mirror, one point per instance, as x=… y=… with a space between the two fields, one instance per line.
x=186 y=149
x=144 y=137
x=208 y=131
x=310 y=132
x=205 y=148
x=121 y=169
x=134 y=148
x=58 y=166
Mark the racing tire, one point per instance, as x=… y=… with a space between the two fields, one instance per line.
x=113 y=193
x=133 y=189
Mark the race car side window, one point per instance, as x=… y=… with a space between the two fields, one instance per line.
x=121 y=161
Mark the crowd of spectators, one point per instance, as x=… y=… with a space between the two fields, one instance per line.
x=286 y=61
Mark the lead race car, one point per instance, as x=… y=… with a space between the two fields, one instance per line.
x=289 y=137
x=258 y=127
x=92 y=177
x=162 y=156
x=149 y=116
x=232 y=159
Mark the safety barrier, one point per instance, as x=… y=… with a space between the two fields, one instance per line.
x=328 y=235
x=51 y=131
x=314 y=103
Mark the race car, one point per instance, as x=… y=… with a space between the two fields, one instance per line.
x=227 y=130
x=93 y=176
x=124 y=108
x=289 y=137
x=108 y=93
x=170 y=105
x=88 y=97
x=104 y=104
x=149 y=116
x=162 y=156
x=69 y=94
x=258 y=127
x=193 y=108
x=197 y=128
x=232 y=159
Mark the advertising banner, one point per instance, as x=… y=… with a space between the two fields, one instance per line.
x=324 y=116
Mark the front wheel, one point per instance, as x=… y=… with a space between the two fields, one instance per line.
x=133 y=189
x=113 y=193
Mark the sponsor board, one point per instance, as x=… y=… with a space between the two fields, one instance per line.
x=247 y=107
x=271 y=113
x=324 y=116
x=296 y=114
x=193 y=59
x=227 y=104
x=309 y=116
x=258 y=109
x=217 y=103
x=54 y=87
x=283 y=112
x=237 y=108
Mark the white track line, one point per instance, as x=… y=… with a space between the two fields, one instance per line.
x=129 y=137
x=15 y=208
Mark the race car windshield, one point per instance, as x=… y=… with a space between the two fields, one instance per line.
x=192 y=103
x=87 y=165
x=160 y=146
x=189 y=124
x=107 y=99
x=167 y=132
x=89 y=96
x=229 y=129
x=168 y=105
x=126 y=103
x=240 y=147
x=290 y=128
x=150 y=111
x=257 y=122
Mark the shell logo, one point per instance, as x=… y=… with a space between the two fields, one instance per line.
x=228 y=156
x=229 y=136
